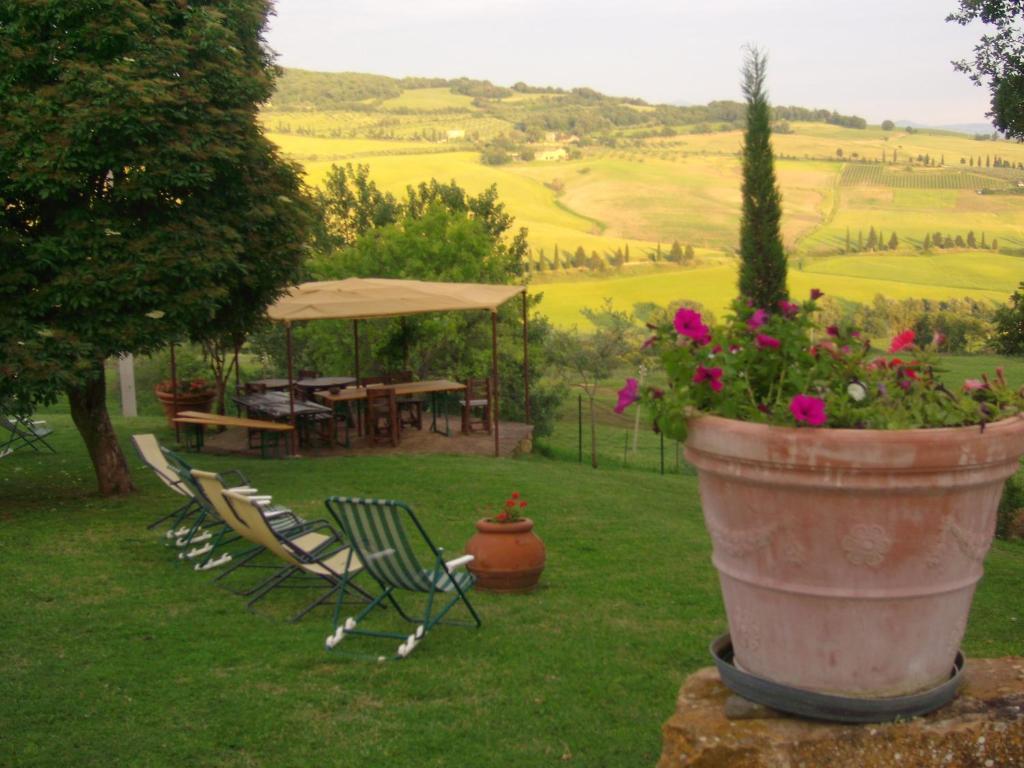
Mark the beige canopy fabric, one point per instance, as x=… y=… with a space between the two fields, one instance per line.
x=363 y=298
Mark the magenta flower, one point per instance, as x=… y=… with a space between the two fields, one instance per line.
x=649 y=342
x=808 y=410
x=757 y=319
x=816 y=294
x=788 y=309
x=764 y=341
x=711 y=375
x=902 y=340
x=627 y=395
x=689 y=323
x=832 y=330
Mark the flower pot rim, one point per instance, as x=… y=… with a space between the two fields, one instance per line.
x=849 y=433
x=519 y=526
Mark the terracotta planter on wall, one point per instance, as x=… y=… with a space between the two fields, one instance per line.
x=199 y=401
x=848 y=558
x=508 y=557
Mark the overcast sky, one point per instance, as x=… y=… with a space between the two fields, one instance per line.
x=876 y=58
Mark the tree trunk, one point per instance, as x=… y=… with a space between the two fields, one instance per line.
x=593 y=435
x=89 y=412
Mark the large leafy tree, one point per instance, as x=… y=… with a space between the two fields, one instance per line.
x=762 y=257
x=998 y=59
x=140 y=202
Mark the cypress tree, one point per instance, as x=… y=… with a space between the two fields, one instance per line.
x=762 y=258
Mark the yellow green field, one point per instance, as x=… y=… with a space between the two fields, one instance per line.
x=856 y=278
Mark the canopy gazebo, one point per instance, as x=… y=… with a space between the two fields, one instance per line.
x=358 y=299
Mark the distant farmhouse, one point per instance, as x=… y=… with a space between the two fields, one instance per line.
x=456 y=134
x=551 y=154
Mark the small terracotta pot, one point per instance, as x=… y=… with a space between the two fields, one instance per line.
x=509 y=557
x=848 y=558
x=198 y=401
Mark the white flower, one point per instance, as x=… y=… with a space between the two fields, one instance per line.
x=856 y=391
x=156 y=314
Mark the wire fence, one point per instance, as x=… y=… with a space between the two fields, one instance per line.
x=618 y=441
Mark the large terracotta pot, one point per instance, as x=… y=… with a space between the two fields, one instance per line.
x=199 y=401
x=848 y=558
x=508 y=557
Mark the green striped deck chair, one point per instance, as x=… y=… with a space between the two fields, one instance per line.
x=383 y=534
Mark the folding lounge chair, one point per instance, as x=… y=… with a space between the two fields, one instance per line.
x=149 y=451
x=23 y=432
x=377 y=531
x=208 y=528
x=287 y=525
x=321 y=551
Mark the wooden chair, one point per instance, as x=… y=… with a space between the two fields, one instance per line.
x=382 y=415
x=308 y=373
x=476 y=405
x=410 y=407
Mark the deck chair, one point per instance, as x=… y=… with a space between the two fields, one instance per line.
x=296 y=530
x=377 y=530
x=320 y=551
x=208 y=527
x=24 y=432
x=148 y=449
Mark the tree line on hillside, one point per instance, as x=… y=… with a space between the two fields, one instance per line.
x=579 y=259
x=876 y=240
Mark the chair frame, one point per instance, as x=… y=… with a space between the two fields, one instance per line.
x=372 y=419
x=472 y=400
x=151 y=454
x=25 y=431
x=396 y=567
x=251 y=512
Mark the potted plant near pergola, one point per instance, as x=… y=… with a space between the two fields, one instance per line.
x=850 y=496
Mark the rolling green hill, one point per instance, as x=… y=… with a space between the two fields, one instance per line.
x=615 y=174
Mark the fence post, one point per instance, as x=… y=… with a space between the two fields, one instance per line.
x=579 y=403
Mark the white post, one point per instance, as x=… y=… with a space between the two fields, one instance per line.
x=126 y=376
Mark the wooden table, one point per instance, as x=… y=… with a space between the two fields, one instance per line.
x=433 y=387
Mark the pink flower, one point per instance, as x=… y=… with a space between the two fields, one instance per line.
x=757 y=319
x=938 y=339
x=832 y=330
x=627 y=395
x=902 y=340
x=807 y=409
x=816 y=294
x=788 y=308
x=972 y=385
x=711 y=375
x=765 y=341
x=688 y=323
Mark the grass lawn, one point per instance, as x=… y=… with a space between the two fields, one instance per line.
x=114 y=654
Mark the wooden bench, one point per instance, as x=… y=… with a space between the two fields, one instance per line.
x=269 y=431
